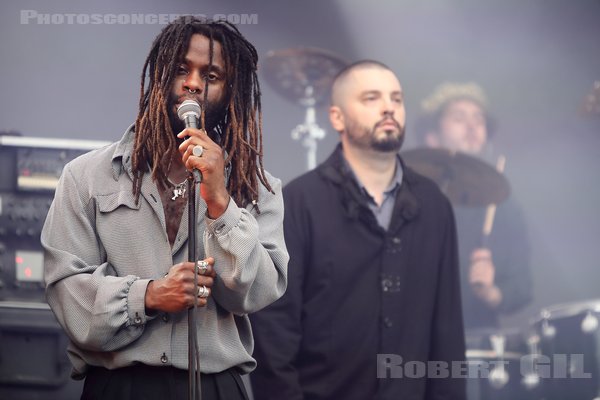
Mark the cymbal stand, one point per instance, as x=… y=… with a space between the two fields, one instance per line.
x=309 y=131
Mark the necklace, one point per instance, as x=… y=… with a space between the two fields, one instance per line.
x=178 y=189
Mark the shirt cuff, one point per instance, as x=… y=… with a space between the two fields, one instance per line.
x=223 y=224
x=136 y=303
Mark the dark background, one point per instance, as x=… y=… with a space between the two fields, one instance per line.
x=537 y=59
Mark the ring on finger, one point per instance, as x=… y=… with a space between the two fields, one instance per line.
x=203 y=292
x=198 y=150
x=201 y=266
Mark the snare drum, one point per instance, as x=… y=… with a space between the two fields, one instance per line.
x=494 y=366
x=569 y=342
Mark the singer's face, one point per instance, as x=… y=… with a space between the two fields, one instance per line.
x=370 y=114
x=192 y=72
x=462 y=127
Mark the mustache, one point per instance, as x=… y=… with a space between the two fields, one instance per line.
x=197 y=99
x=386 y=120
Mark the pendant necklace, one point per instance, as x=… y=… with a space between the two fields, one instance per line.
x=178 y=189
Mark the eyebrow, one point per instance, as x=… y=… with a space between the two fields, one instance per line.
x=215 y=67
x=378 y=92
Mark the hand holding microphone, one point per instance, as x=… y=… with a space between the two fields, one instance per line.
x=179 y=289
x=200 y=153
x=189 y=113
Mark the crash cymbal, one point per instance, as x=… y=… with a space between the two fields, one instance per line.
x=302 y=75
x=466 y=180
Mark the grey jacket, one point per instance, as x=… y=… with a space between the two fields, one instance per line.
x=102 y=249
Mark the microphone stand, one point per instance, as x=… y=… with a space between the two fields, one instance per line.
x=189 y=112
x=194 y=388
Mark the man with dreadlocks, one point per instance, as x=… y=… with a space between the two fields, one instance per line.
x=115 y=239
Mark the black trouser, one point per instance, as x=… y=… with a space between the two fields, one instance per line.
x=142 y=382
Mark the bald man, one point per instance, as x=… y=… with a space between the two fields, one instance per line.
x=372 y=309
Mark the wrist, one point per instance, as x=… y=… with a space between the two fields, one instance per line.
x=217 y=206
x=149 y=301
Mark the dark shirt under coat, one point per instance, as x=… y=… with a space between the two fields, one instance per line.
x=356 y=290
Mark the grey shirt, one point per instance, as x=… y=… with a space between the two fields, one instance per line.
x=383 y=212
x=102 y=249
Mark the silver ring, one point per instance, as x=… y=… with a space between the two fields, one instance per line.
x=198 y=150
x=202 y=266
x=203 y=292
x=192 y=91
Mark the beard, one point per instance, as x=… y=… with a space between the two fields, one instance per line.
x=214 y=115
x=368 y=138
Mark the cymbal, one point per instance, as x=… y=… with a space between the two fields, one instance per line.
x=302 y=75
x=466 y=180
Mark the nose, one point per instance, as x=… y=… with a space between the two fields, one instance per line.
x=388 y=108
x=193 y=82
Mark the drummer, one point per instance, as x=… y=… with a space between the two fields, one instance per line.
x=496 y=278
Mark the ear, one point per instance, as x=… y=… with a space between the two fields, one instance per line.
x=432 y=140
x=336 y=118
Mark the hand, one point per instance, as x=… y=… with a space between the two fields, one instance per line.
x=177 y=291
x=212 y=166
x=482 y=275
x=482 y=269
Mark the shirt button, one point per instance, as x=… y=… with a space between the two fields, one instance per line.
x=137 y=320
x=165 y=317
x=396 y=240
x=164 y=359
x=387 y=322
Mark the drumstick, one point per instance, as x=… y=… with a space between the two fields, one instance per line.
x=490 y=213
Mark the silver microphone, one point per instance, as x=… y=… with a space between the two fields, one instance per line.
x=189 y=113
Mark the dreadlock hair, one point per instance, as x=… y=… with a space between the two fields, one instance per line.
x=240 y=131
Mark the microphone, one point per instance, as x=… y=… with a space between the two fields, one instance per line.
x=189 y=113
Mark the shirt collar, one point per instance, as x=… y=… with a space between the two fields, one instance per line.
x=121 y=159
x=392 y=187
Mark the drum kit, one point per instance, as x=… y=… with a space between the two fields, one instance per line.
x=558 y=356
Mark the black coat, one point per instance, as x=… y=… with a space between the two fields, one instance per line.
x=356 y=291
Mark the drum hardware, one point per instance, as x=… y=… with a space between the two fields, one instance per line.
x=590 y=323
x=531 y=378
x=498 y=376
x=548 y=330
x=499 y=354
x=304 y=76
x=570 y=339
